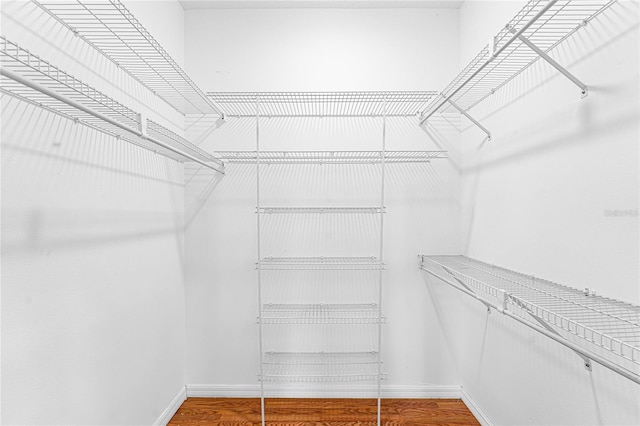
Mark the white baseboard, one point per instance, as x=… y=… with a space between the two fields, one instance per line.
x=175 y=403
x=480 y=415
x=389 y=391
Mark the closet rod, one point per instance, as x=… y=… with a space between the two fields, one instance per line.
x=516 y=36
x=33 y=85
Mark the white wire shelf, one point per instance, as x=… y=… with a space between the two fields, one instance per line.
x=320 y=367
x=555 y=25
x=321 y=104
x=603 y=327
x=25 y=64
x=111 y=29
x=355 y=313
x=320 y=263
x=330 y=157
x=321 y=210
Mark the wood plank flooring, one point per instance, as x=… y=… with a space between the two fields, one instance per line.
x=320 y=412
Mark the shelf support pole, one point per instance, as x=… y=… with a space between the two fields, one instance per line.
x=583 y=87
x=473 y=120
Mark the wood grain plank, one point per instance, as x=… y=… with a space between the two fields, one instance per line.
x=322 y=412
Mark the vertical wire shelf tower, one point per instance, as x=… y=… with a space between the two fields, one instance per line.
x=324 y=367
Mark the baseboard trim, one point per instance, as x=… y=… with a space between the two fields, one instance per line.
x=475 y=409
x=172 y=408
x=389 y=391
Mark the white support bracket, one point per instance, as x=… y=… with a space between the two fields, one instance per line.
x=466 y=114
x=469 y=289
x=583 y=87
x=543 y=323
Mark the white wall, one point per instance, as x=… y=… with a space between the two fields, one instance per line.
x=535 y=200
x=93 y=317
x=289 y=49
x=321 y=49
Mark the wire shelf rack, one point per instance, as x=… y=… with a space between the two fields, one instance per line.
x=320 y=367
x=357 y=313
x=604 y=327
x=558 y=23
x=320 y=263
x=320 y=210
x=14 y=58
x=330 y=157
x=321 y=104
x=109 y=27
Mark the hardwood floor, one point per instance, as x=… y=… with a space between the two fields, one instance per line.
x=316 y=412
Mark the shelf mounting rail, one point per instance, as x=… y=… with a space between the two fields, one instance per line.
x=536 y=30
x=109 y=27
x=30 y=78
x=596 y=328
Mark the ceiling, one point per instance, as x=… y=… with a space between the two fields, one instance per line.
x=347 y=4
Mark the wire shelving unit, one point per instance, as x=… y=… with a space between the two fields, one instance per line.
x=597 y=328
x=109 y=27
x=322 y=104
x=30 y=78
x=532 y=34
x=329 y=157
x=320 y=367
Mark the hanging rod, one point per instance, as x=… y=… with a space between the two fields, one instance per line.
x=35 y=86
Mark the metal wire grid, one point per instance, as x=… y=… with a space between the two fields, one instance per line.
x=611 y=325
x=319 y=263
x=321 y=210
x=320 y=366
x=330 y=157
x=356 y=313
x=321 y=104
x=562 y=20
x=36 y=69
x=111 y=29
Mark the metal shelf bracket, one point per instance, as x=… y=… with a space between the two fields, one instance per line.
x=587 y=360
x=466 y=114
x=584 y=90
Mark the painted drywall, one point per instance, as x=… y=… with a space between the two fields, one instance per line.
x=321 y=50
x=538 y=199
x=93 y=311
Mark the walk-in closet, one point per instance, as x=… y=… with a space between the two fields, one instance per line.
x=295 y=212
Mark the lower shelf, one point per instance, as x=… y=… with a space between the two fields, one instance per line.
x=597 y=328
x=321 y=367
x=365 y=313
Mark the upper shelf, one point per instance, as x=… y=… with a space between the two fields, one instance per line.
x=609 y=330
x=111 y=29
x=30 y=78
x=494 y=67
x=321 y=104
x=330 y=157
